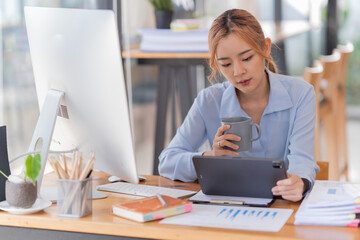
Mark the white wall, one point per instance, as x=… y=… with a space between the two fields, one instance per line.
x=214 y=8
x=136 y=14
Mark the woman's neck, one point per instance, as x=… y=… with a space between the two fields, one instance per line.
x=262 y=92
x=255 y=103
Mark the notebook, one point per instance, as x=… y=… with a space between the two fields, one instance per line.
x=237 y=177
x=151 y=208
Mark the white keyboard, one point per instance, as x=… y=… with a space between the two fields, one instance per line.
x=143 y=190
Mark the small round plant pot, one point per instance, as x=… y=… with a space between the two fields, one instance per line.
x=163 y=19
x=22 y=195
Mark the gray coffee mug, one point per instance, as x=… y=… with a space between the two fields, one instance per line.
x=242 y=127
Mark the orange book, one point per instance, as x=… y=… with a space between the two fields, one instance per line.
x=151 y=208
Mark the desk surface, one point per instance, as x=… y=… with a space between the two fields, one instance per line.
x=103 y=222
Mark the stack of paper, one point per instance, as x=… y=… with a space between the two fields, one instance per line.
x=330 y=203
x=166 y=40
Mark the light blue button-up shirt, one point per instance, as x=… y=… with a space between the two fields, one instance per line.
x=287 y=128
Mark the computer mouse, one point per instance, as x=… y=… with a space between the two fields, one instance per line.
x=114 y=179
x=117 y=179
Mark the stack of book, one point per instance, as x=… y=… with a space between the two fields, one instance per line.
x=184 y=24
x=331 y=203
x=167 y=40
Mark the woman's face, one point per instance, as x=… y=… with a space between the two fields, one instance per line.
x=240 y=64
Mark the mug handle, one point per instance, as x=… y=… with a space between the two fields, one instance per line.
x=258 y=129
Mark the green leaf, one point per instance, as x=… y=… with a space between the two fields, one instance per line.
x=33 y=167
x=162 y=4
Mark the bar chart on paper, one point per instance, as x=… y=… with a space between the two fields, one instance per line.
x=233 y=217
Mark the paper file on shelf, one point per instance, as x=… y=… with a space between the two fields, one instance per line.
x=166 y=40
x=173 y=47
x=170 y=36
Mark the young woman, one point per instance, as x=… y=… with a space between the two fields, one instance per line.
x=283 y=106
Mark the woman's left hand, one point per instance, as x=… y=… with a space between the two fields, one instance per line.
x=291 y=188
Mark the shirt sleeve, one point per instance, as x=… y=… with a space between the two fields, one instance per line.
x=175 y=161
x=302 y=139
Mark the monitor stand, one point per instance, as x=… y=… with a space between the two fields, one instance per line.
x=44 y=129
x=42 y=139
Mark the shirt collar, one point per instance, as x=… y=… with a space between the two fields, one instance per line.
x=279 y=99
x=230 y=106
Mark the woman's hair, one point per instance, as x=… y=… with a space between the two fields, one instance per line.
x=244 y=24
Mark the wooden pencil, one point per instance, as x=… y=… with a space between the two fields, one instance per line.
x=65 y=164
x=62 y=172
x=54 y=167
x=74 y=166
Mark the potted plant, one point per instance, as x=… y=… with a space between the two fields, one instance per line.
x=21 y=190
x=163 y=12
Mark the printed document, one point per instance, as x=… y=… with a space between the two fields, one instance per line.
x=244 y=218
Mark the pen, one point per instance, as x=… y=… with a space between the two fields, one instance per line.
x=89 y=174
x=161 y=200
x=227 y=202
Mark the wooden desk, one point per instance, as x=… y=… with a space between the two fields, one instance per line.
x=41 y=225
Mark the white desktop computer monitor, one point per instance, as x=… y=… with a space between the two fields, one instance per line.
x=76 y=57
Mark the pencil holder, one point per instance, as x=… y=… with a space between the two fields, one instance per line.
x=74 y=197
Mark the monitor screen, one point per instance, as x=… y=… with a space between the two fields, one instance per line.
x=77 y=52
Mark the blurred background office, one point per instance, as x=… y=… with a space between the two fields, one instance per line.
x=327 y=23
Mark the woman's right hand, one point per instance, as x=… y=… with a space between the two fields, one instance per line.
x=221 y=140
